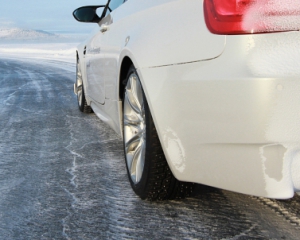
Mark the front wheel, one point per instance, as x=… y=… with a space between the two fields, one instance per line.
x=147 y=168
x=82 y=103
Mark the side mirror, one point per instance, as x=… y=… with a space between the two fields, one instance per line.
x=88 y=14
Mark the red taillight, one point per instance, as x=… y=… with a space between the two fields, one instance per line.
x=251 y=16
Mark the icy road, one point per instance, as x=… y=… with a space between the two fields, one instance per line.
x=62 y=175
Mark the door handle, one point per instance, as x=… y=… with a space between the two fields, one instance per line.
x=104 y=28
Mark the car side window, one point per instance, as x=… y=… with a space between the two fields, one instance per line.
x=115 y=3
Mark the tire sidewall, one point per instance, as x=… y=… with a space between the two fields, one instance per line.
x=80 y=103
x=141 y=187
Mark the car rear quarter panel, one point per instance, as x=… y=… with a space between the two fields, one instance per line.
x=154 y=33
x=233 y=122
x=163 y=32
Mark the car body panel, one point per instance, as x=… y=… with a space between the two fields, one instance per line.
x=226 y=108
x=230 y=114
x=158 y=30
x=95 y=69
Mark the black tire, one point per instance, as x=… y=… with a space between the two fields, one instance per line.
x=81 y=100
x=157 y=181
x=83 y=106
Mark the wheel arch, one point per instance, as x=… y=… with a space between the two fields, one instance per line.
x=155 y=184
x=127 y=61
x=125 y=65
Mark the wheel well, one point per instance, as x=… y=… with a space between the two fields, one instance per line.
x=126 y=63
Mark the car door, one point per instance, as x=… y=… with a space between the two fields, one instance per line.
x=94 y=68
x=110 y=51
x=96 y=63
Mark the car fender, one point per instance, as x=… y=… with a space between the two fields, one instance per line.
x=155 y=44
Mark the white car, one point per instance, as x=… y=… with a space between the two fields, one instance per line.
x=201 y=91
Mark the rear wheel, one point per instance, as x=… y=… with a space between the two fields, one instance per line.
x=147 y=168
x=82 y=103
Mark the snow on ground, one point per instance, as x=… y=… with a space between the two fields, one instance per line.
x=39 y=46
x=17 y=35
x=57 y=51
x=59 y=54
x=25 y=34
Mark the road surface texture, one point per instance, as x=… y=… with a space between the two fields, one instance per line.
x=62 y=175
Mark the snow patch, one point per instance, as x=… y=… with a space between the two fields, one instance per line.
x=59 y=52
x=176 y=149
x=282 y=182
x=36 y=45
x=295 y=169
x=18 y=34
x=274 y=55
x=273 y=15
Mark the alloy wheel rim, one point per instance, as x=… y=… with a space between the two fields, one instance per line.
x=134 y=128
x=79 y=84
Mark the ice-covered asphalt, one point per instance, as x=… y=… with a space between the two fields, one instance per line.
x=62 y=175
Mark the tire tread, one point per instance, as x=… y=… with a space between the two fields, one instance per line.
x=162 y=185
x=86 y=108
x=158 y=182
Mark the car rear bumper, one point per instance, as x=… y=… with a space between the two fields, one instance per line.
x=235 y=119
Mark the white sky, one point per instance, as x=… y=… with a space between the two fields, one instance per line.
x=48 y=15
